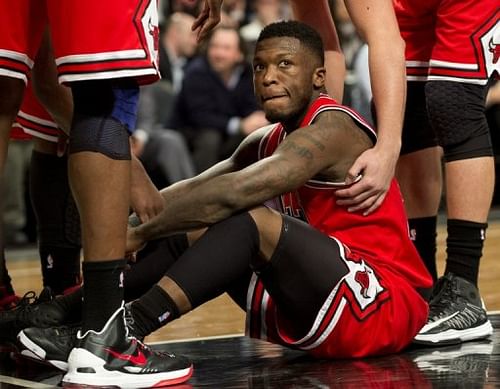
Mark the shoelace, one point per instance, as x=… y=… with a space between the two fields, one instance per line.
x=444 y=297
x=25 y=306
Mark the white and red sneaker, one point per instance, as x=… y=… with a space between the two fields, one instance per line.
x=112 y=357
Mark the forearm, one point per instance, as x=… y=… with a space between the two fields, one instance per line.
x=389 y=94
x=320 y=18
x=189 y=204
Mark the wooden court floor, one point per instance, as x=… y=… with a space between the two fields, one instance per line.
x=212 y=337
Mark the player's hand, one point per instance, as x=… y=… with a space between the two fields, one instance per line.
x=134 y=244
x=208 y=18
x=146 y=201
x=377 y=169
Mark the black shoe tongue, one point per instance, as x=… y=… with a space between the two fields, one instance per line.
x=45 y=295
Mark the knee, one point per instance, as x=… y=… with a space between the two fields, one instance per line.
x=104 y=115
x=456 y=113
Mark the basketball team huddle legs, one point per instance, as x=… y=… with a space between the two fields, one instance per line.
x=313 y=228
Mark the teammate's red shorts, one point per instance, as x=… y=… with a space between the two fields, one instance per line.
x=33 y=120
x=371 y=311
x=92 y=39
x=452 y=40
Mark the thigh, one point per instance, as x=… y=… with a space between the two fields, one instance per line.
x=305 y=267
x=21 y=28
x=464 y=35
x=416 y=22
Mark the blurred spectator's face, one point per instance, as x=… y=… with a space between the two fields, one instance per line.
x=187 y=41
x=223 y=51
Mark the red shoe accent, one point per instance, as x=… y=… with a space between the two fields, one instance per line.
x=9 y=302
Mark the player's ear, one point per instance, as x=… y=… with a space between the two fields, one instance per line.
x=319 y=75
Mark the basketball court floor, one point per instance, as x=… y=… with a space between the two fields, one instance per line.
x=212 y=337
x=240 y=362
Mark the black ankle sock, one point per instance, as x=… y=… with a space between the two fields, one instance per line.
x=153 y=310
x=423 y=234
x=102 y=291
x=60 y=267
x=464 y=248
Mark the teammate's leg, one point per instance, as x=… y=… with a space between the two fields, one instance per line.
x=58 y=222
x=457 y=113
x=419 y=175
x=11 y=94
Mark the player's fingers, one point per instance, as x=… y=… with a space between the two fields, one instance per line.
x=362 y=206
x=354 y=191
x=375 y=205
x=356 y=200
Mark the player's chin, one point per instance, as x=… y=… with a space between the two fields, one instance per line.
x=275 y=113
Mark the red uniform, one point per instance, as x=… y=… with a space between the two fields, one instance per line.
x=450 y=40
x=33 y=120
x=92 y=39
x=375 y=309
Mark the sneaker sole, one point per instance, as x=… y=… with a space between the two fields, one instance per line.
x=455 y=336
x=36 y=352
x=81 y=359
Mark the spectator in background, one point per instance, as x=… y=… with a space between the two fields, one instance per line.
x=216 y=106
x=163 y=152
x=177 y=45
x=264 y=13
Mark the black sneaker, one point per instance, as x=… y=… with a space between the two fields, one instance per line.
x=30 y=311
x=112 y=357
x=456 y=314
x=53 y=345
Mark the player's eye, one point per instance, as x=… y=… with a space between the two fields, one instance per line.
x=258 y=67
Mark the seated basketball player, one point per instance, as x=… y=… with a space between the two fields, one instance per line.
x=265 y=227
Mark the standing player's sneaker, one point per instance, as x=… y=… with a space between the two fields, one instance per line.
x=30 y=311
x=51 y=345
x=112 y=357
x=456 y=314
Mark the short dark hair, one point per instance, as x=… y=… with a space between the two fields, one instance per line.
x=307 y=35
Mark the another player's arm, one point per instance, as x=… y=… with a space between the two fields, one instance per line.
x=211 y=197
x=320 y=18
x=375 y=20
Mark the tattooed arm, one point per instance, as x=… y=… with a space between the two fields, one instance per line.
x=327 y=147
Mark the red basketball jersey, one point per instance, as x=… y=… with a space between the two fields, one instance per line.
x=378 y=295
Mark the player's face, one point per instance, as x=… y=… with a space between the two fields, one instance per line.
x=285 y=78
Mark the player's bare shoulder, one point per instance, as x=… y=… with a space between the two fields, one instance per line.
x=342 y=132
x=342 y=138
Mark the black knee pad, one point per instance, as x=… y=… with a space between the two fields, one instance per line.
x=417 y=131
x=456 y=113
x=104 y=115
